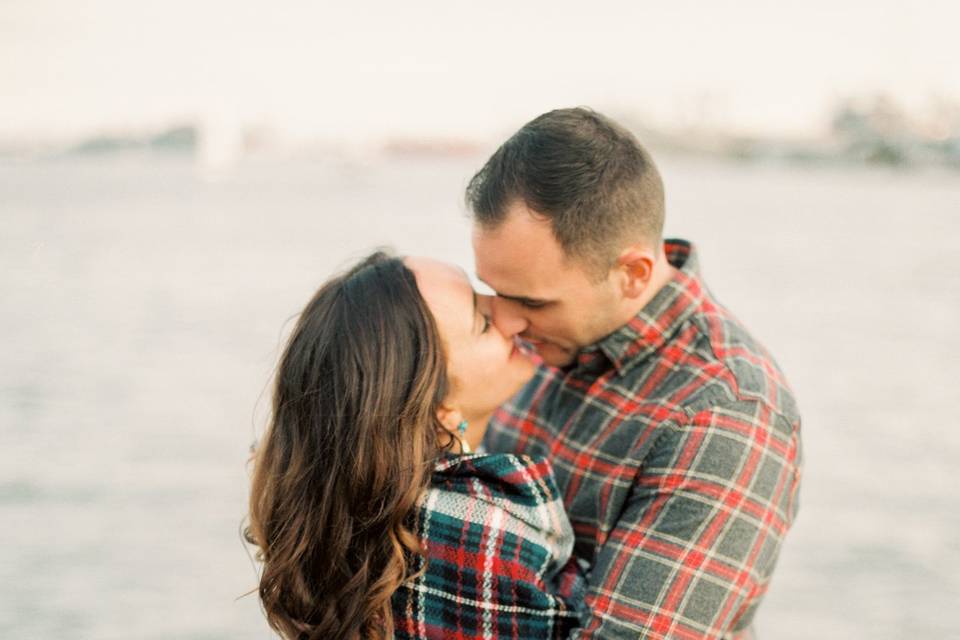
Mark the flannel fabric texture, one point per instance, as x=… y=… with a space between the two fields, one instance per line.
x=497 y=547
x=676 y=446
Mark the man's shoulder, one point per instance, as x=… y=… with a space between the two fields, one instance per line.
x=734 y=367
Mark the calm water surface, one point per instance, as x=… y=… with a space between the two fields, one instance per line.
x=143 y=308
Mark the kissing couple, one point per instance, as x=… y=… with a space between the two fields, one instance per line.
x=599 y=450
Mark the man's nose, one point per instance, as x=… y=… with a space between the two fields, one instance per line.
x=507 y=317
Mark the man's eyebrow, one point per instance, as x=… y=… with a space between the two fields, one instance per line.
x=520 y=299
x=523 y=299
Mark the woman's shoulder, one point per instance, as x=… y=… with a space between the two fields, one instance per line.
x=526 y=480
x=495 y=541
x=517 y=491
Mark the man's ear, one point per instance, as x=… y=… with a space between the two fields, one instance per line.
x=636 y=265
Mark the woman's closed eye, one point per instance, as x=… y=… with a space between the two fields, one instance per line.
x=487 y=322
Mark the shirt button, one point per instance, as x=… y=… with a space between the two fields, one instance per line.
x=588 y=359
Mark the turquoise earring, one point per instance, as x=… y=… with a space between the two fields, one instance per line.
x=462 y=430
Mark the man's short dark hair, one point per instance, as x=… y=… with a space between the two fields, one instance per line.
x=587 y=174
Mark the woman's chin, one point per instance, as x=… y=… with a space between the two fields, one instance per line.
x=510 y=379
x=525 y=368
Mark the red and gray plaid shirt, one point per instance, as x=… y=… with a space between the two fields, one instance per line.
x=676 y=446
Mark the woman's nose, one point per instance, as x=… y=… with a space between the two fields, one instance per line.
x=507 y=317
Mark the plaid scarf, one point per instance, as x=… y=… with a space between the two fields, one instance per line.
x=497 y=547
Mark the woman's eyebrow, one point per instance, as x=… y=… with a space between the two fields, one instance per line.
x=475 y=314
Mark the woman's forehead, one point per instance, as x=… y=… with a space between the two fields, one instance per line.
x=442 y=285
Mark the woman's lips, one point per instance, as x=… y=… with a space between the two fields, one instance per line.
x=524 y=346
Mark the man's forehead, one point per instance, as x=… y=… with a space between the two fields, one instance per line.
x=520 y=253
x=518 y=276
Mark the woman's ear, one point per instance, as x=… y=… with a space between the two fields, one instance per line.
x=449 y=417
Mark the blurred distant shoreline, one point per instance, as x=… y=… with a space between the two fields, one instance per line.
x=874 y=131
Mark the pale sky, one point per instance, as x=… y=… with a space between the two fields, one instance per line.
x=364 y=69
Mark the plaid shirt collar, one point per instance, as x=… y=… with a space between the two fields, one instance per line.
x=659 y=319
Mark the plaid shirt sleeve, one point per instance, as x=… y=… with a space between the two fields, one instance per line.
x=695 y=543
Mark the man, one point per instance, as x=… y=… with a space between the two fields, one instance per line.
x=674 y=436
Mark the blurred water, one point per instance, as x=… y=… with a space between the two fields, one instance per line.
x=143 y=307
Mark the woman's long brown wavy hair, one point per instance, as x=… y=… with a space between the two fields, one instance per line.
x=347 y=452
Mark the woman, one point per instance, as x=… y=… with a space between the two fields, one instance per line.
x=371 y=516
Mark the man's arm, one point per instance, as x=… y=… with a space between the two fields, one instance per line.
x=693 y=550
